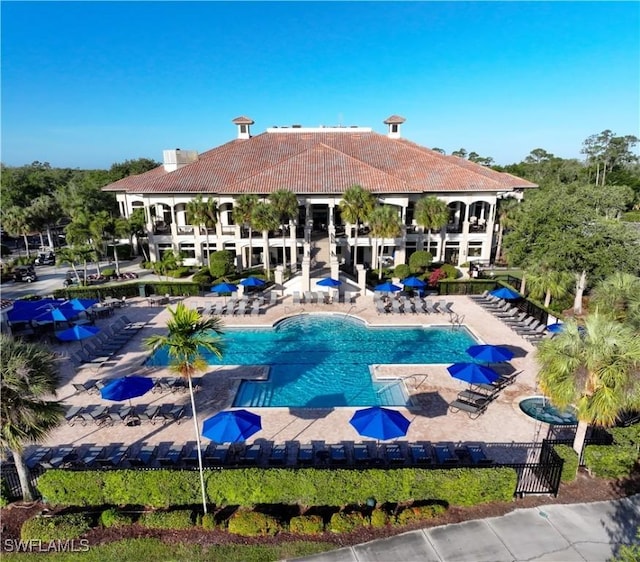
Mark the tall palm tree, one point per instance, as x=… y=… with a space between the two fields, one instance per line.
x=355 y=207
x=205 y=214
x=547 y=283
x=595 y=368
x=431 y=213
x=265 y=218
x=46 y=212
x=285 y=204
x=243 y=210
x=28 y=375
x=618 y=296
x=385 y=223
x=507 y=209
x=76 y=254
x=17 y=222
x=189 y=336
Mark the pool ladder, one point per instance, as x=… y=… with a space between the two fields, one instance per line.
x=455 y=320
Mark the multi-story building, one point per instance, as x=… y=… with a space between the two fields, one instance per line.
x=318 y=164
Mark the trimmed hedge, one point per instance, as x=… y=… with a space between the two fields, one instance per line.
x=113 y=518
x=250 y=486
x=253 y=524
x=178 y=519
x=571 y=461
x=342 y=522
x=608 y=461
x=56 y=527
x=306 y=525
x=417 y=513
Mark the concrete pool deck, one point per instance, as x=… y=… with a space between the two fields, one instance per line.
x=430 y=386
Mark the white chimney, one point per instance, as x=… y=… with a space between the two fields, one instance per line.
x=394 y=123
x=175 y=159
x=243 y=123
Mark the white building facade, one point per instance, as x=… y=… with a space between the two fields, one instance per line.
x=318 y=164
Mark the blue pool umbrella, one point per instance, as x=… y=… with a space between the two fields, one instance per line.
x=81 y=304
x=329 y=282
x=473 y=373
x=77 y=333
x=506 y=293
x=380 y=423
x=61 y=314
x=490 y=353
x=555 y=328
x=231 y=426
x=126 y=388
x=388 y=287
x=25 y=311
x=252 y=282
x=224 y=288
x=414 y=283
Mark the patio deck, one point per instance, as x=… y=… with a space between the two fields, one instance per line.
x=430 y=386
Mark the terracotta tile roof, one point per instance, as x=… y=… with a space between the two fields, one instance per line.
x=394 y=119
x=321 y=162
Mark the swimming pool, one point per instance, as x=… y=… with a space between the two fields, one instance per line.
x=322 y=361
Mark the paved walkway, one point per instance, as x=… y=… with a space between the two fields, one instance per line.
x=591 y=532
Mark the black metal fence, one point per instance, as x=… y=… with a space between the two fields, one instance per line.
x=542 y=477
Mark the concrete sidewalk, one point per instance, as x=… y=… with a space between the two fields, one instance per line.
x=585 y=532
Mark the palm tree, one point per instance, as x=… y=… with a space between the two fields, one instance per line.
x=73 y=255
x=243 y=210
x=17 y=222
x=618 y=296
x=547 y=283
x=189 y=336
x=285 y=204
x=28 y=375
x=265 y=218
x=46 y=211
x=355 y=207
x=595 y=368
x=507 y=207
x=385 y=223
x=205 y=214
x=431 y=213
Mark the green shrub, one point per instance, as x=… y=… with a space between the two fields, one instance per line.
x=4 y=492
x=450 y=271
x=610 y=461
x=203 y=278
x=306 y=525
x=208 y=521
x=402 y=271
x=178 y=272
x=108 y=272
x=342 y=522
x=626 y=436
x=222 y=263
x=631 y=216
x=251 y=486
x=178 y=519
x=419 y=261
x=253 y=524
x=113 y=518
x=379 y=518
x=571 y=460
x=56 y=527
x=417 y=513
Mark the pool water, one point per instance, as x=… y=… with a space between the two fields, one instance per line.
x=322 y=361
x=539 y=408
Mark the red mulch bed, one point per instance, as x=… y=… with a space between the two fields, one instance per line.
x=583 y=489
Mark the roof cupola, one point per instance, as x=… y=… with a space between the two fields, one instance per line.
x=243 y=124
x=394 y=123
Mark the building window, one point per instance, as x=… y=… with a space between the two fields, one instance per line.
x=394 y=128
x=474 y=250
x=243 y=129
x=188 y=250
x=162 y=248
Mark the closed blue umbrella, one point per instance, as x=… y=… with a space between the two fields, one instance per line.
x=380 y=423
x=252 y=282
x=126 y=388
x=490 y=353
x=414 y=283
x=473 y=373
x=329 y=282
x=387 y=287
x=555 y=328
x=506 y=293
x=231 y=426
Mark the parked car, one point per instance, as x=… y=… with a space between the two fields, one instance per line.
x=46 y=258
x=25 y=273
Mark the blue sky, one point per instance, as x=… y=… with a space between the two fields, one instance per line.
x=87 y=84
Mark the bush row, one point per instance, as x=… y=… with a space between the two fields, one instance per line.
x=250 y=486
x=619 y=460
x=571 y=461
x=244 y=522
